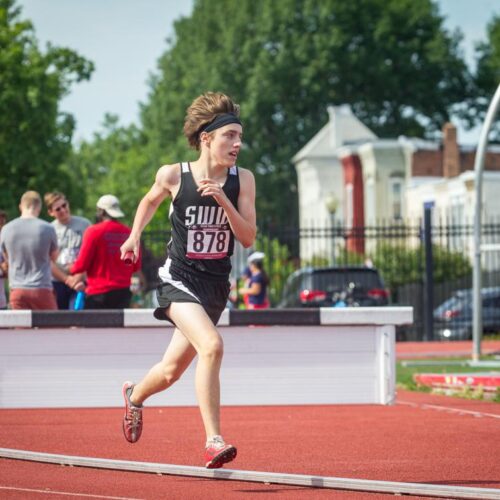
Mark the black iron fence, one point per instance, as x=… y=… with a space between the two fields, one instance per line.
x=418 y=275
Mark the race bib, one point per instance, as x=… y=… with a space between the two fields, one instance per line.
x=207 y=243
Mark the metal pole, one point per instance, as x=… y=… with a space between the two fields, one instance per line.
x=477 y=311
x=428 y=276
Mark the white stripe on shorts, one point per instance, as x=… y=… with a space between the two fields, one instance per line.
x=166 y=277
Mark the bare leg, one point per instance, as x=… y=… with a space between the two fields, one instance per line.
x=176 y=359
x=198 y=328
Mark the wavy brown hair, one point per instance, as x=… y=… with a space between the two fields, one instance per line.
x=203 y=110
x=52 y=197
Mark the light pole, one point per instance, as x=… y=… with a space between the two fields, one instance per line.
x=332 y=203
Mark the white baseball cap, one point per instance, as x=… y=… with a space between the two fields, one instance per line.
x=111 y=205
x=256 y=256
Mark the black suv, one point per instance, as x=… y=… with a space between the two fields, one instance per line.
x=344 y=286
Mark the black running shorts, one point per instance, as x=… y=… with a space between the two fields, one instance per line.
x=182 y=286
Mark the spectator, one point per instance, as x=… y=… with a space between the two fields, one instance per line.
x=29 y=246
x=69 y=229
x=256 y=287
x=245 y=277
x=108 y=276
x=3 y=265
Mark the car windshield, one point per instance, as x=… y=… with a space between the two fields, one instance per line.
x=335 y=279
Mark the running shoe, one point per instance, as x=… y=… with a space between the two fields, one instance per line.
x=218 y=453
x=132 y=420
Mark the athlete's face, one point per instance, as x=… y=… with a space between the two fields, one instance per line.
x=225 y=144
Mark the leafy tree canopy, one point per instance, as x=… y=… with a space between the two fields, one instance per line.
x=488 y=71
x=284 y=62
x=35 y=137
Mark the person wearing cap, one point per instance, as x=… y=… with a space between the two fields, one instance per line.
x=69 y=229
x=108 y=276
x=255 y=290
x=213 y=203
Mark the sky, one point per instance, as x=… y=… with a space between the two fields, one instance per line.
x=125 y=38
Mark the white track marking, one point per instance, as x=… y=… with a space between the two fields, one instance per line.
x=48 y=491
x=449 y=409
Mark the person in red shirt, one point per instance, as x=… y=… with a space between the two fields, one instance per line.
x=108 y=276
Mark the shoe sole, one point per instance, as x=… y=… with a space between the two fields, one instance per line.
x=223 y=458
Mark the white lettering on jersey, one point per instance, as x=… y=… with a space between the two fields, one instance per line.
x=204 y=216
x=190 y=216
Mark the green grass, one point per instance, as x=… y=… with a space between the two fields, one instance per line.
x=404 y=375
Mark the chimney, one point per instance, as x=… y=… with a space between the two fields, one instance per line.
x=451 y=153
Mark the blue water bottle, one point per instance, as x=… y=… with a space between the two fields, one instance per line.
x=79 y=301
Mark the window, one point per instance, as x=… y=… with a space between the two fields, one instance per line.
x=396 y=198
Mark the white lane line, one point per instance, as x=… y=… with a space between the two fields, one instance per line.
x=337 y=483
x=64 y=493
x=449 y=409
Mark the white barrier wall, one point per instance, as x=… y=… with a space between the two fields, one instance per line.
x=348 y=362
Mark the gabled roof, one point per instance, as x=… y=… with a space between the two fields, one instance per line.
x=342 y=129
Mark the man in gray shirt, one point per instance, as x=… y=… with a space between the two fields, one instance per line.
x=69 y=229
x=29 y=244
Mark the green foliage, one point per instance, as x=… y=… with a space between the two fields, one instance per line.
x=488 y=72
x=35 y=137
x=285 y=61
x=277 y=265
x=115 y=162
x=347 y=258
x=317 y=260
x=399 y=265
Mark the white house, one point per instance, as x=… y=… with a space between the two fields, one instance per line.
x=319 y=172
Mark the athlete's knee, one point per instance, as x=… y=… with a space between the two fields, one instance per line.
x=213 y=348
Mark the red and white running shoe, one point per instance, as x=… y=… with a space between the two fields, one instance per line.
x=218 y=453
x=132 y=420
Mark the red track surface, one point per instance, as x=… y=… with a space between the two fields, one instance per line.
x=418 y=440
x=440 y=349
x=423 y=438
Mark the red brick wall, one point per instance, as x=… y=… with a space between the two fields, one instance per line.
x=427 y=163
x=491 y=161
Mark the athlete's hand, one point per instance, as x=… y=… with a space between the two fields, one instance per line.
x=130 y=245
x=209 y=187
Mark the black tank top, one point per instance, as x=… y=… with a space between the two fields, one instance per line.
x=202 y=241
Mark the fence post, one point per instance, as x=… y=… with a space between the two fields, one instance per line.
x=428 y=276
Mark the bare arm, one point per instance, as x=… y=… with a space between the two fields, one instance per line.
x=161 y=189
x=57 y=272
x=243 y=219
x=253 y=289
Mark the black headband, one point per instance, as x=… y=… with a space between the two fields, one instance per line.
x=219 y=121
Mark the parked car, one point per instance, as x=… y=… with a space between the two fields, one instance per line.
x=453 y=318
x=344 y=286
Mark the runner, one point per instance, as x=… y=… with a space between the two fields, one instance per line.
x=213 y=202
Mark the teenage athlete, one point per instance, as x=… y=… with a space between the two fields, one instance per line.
x=213 y=202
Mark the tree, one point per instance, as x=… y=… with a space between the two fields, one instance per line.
x=114 y=162
x=35 y=136
x=487 y=76
x=284 y=62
